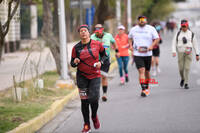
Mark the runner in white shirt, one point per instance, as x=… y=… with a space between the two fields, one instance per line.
x=143 y=37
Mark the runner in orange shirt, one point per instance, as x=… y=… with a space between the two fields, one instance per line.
x=122 y=42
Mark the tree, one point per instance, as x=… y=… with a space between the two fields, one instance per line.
x=4 y=27
x=104 y=11
x=48 y=32
x=163 y=6
x=179 y=0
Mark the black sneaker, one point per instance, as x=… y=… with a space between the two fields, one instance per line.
x=186 y=86
x=182 y=83
x=143 y=94
x=126 y=78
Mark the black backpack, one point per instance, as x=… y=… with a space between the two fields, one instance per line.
x=79 y=48
x=104 y=59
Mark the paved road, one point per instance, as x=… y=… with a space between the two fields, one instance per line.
x=168 y=109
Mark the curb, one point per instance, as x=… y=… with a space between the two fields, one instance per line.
x=36 y=123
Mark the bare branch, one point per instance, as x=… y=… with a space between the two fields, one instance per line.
x=8 y=17
x=10 y=14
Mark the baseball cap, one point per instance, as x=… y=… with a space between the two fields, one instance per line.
x=83 y=26
x=184 y=22
x=98 y=28
x=121 y=27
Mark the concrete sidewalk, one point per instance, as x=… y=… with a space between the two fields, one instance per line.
x=13 y=62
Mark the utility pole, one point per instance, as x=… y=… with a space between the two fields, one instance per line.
x=118 y=12
x=63 y=40
x=129 y=14
x=81 y=12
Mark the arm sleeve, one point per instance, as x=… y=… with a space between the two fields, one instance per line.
x=174 y=44
x=102 y=53
x=73 y=57
x=195 y=45
x=112 y=40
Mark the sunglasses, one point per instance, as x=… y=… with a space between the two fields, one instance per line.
x=98 y=28
x=184 y=26
x=143 y=20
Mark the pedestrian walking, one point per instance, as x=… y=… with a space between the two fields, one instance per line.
x=85 y=56
x=107 y=40
x=156 y=51
x=184 y=42
x=144 y=37
x=122 y=42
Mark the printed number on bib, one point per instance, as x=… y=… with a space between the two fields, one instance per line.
x=188 y=50
x=83 y=93
x=142 y=49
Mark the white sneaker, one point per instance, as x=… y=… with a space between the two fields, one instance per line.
x=158 y=70
x=154 y=73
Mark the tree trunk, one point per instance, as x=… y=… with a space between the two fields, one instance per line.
x=103 y=13
x=55 y=18
x=48 y=35
x=1 y=47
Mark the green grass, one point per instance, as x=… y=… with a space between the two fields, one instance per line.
x=12 y=114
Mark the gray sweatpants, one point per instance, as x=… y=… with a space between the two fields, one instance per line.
x=184 y=62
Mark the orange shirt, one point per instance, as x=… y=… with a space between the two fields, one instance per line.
x=122 y=43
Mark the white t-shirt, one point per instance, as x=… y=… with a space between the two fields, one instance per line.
x=142 y=37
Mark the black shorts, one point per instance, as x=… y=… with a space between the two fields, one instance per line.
x=143 y=61
x=156 y=52
x=88 y=88
x=106 y=66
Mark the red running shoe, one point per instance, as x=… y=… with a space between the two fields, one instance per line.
x=86 y=128
x=96 y=122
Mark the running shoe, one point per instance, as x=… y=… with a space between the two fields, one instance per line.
x=126 y=78
x=158 y=70
x=147 y=91
x=154 y=73
x=121 y=80
x=143 y=93
x=104 y=97
x=86 y=128
x=182 y=83
x=96 y=122
x=186 y=86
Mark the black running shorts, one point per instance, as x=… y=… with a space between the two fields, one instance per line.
x=143 y=61
x=156 y=52
x=88 y=88
x=106 y=66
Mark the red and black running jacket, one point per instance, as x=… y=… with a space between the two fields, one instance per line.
x=88 y=54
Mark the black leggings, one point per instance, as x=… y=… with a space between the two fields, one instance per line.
x=85 y=109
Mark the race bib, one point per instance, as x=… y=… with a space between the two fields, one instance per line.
x=83 y=93
x=142 y=49
x=188 y=50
